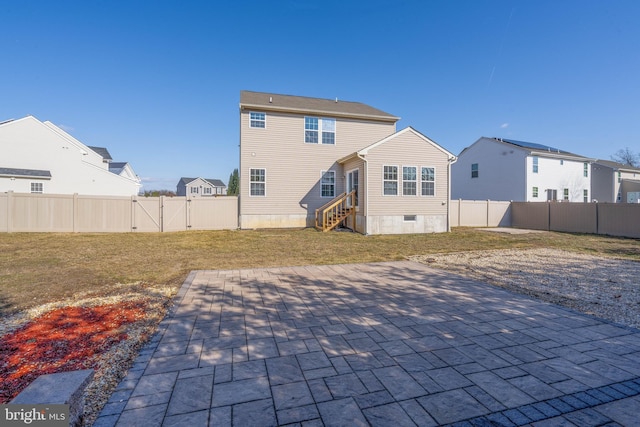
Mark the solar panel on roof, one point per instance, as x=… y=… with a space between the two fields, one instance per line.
x=532 y=145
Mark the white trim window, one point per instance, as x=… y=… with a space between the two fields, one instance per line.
x=428 y=176
x=329 y=131
x=257 y=120
x=37 y=187
x=585 y=196
x=585 y=169
x=311 y=130
x=319 y=131
x=535 y=164
x=534 y=192
x=258 y=182
x=206 y=190
x=390 y=180
x=328 y=184
x=194 y=190
x=565 y=194
x=409 y=181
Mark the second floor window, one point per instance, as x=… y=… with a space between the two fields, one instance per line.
x=319 y=131
x=257 y=120
x=586 y=169
x=535 y=164
x=474 y=170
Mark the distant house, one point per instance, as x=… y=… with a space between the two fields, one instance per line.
x=612 y=182
x=39 y=157
x=321 y=162
x=200 y=187
x=509 y=170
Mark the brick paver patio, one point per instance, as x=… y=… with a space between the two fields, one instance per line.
x=379 y=344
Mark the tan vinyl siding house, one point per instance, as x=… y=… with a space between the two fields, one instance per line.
x=298 y=153
x=420 y=202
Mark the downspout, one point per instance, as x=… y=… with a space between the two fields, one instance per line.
x=366 y=197
x=452 y=160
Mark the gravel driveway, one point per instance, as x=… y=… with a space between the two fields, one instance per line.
x=608 y=288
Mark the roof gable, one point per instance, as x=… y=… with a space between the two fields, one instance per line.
x=365 y=150
x=319 y=106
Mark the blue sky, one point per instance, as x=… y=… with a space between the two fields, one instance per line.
x=158 y=82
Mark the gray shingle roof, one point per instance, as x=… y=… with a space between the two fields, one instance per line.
x=616 y=165
x=214 y=182
x=303 y=104
x=25 y=173
x=102 y=151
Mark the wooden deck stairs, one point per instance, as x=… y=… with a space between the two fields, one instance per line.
x=336 y=211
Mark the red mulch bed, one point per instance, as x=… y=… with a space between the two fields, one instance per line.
x=64 y=339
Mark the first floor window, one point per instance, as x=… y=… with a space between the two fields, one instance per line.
x=565 y=194
x=257 y=120
x=534 y=192
x=409 y=181
x=328 y=184
x=585 y=196
x=390 y=180
x=206 y=190
x=428 y=181
x=36 y=187
x=258 y=182
x=194 y=190
x=474 y=170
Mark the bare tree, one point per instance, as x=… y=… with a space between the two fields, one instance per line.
x=627 y=157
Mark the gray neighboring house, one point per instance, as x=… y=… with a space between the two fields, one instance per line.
x=611 y=182
x=201 y=187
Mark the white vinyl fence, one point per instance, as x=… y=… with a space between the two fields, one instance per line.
x=75 y=213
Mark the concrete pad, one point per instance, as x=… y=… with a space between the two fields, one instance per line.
x=374 y=344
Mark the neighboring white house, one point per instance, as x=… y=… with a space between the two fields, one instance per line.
x=509 y=170
x=39 y=157
x=612 y=182
x=324 y=162
x=200 y=187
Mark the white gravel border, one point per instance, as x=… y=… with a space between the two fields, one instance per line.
x=608 y=288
